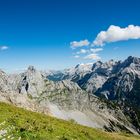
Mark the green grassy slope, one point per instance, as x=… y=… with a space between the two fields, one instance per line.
x=18 y=123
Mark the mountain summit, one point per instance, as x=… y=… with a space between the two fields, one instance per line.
x=99 y=95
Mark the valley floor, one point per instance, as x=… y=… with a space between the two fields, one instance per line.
x=19 y=124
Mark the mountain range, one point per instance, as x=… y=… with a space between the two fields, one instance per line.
x=99 y=95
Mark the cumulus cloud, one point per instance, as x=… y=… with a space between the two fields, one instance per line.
x=82 y=43
x=96 y=50
x=116 y=33
x=2 y=48
x=92 y=56
x=82 y=51
x=76 y=56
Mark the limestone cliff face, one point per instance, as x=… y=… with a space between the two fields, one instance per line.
x=118 y=82
x=65 y=98
x=105 y=79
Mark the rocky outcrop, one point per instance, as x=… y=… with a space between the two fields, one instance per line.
x=118 y=82
x=66 y=98
x=106 y=78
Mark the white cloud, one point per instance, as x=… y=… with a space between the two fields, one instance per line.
x=2 y=48
x=96 y=50
x=76 y=56
x=115 y=33
x=82 y=43
x=92 y=56
x=82 y=51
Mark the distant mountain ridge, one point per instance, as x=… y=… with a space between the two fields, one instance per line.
x=82 y=94
x=96 y=76
x=118 y=81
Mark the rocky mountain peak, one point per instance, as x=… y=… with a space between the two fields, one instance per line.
x=4 y=85
x=111 y=62
x=73 y=95
x=77 y=66
x=31 y=68
x=130 y=60
x=97 y=65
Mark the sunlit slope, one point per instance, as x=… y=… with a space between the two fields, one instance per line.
x=17 y=123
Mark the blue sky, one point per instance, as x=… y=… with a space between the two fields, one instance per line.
x=39 y=32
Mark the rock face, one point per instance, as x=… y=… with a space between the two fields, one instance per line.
x=30 y=82
x=71 y=94
x=122 y=81
x=74 y=74
x=118 y=82
x=105 y=79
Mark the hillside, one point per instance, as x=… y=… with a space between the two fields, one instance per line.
x=17 y=123
x=64 y=99
x=115 y=81
x=67 y=100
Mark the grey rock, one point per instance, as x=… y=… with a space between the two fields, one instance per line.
x=72 y=96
